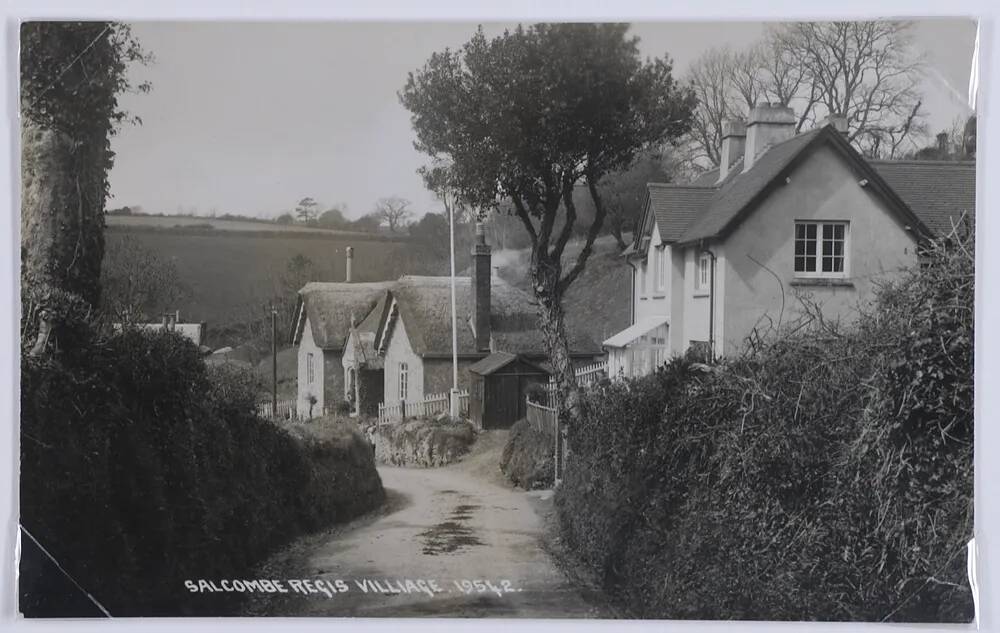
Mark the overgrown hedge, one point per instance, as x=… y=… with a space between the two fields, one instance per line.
x=528 y=458
x=826 y=474
x=141 y=468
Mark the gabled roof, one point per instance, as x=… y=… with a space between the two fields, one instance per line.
x=925 y=195
x=497 y=361
x=675 y=207
x=937 y=191
x=741 y=188
x=329 y=308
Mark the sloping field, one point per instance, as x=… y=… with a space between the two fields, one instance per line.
x=232 y=274
x=145 y=222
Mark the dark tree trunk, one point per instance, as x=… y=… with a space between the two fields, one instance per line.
x=552 y=323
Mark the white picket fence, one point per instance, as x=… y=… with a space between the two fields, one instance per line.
x=591 y=374
x=431 y=405
x=286 y=410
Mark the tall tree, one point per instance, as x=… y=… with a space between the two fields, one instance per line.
x=393 y=211
x=305 y=210
x=71 y=76
x=529 y=114
x=865 y=71
x=624 y=192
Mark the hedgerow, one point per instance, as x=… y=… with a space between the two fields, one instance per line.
x=141 y=468
x=826 y=474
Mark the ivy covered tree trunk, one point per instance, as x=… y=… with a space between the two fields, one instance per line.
x=62 y=212
x=552 y=322
x=71 y=74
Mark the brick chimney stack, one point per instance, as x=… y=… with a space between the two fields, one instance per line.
x=768 y=125
x=481 y=281
x=350 y=263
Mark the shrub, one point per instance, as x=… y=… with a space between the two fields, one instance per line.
x=140 y=468
x=826 y=474
x=528 y=458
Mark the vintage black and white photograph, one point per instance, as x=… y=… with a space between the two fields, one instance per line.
x=651 y=320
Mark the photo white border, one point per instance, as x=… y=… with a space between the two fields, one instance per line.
x=987 y=298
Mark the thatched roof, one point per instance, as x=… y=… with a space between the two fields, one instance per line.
x=424 y=304
x=330 y=306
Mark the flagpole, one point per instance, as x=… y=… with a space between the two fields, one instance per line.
x=454 y=319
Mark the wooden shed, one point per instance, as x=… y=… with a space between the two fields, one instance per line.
x=498 y=386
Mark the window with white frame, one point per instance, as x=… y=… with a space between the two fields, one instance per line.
x=404 y=380
x=703 y=273
x=661 y=267
x=310 y=376
x=820 y=249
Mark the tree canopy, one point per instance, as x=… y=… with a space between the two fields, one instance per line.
x=527 y=115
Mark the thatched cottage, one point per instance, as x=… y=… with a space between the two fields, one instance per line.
x=392 y=341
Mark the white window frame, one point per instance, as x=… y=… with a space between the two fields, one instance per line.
x=819 y=252
x=661 y=272
x=702 y=285
x=403 y=386
x=310 y=369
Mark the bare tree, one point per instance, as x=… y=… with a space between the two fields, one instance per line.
x=394 y=211
x=727 y=83
x=864 y=71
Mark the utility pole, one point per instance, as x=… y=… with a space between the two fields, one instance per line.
x=274 y=363
x=454 y=409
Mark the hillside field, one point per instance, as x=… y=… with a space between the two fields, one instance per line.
x=232 y=274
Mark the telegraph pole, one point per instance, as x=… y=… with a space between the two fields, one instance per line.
x=274 y=363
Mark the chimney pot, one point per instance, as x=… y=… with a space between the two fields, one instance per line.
x=838 y=121
x=769 y=125
x=350 y=262
x=942 y=139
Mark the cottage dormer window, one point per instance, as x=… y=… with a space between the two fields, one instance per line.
x=820 y=249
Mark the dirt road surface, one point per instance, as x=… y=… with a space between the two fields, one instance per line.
x=478 y=540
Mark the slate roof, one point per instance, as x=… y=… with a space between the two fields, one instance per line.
x=740 y=188
x=937 y=191
x=927 y=193
x=675 y=207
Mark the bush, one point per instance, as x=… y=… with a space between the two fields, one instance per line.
x=827 y=474
x=140 y=468
x=528 y=458
x=423 y=442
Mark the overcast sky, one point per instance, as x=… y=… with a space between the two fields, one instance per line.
x=250 y=117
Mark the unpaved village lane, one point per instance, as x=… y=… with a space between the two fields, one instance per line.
x=446 y=525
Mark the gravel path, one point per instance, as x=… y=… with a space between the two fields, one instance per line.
x=468 y=546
